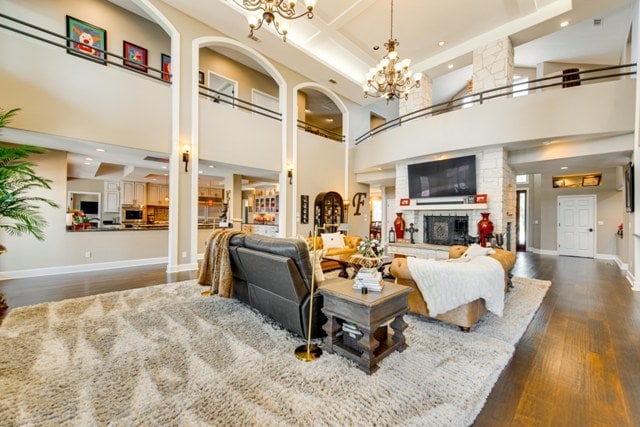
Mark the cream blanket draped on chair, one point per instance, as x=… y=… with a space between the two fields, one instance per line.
x=215 y=270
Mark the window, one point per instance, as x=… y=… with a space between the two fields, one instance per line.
x=522 y=179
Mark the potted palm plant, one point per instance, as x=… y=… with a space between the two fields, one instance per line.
x=20 y=211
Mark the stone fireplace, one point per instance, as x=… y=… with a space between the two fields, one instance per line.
x=446 y=229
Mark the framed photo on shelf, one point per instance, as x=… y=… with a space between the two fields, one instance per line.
x=558 y=183
x=136 y=57
x=591 y=181
x=405 y=202
x=481 y=198
x=165 y=62
x=87 y=40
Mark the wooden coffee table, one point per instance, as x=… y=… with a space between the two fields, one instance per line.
x=369 y=311
x=355 y=262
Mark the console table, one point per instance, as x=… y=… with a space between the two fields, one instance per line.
x=369 y=312
x=419 y=250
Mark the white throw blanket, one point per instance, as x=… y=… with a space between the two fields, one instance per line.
x=448 y=284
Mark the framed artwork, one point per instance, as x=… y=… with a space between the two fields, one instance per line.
x=628 y=187
x=481 y=198
x=200 y=77
x=135 y=56
x=591 y=181
x=86 y=39
x=165 y=61
x=558 y=183
x=405 y=202
x=304 y=209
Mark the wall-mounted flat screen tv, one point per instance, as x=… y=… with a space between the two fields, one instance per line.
x=89 y=208
x=443 y=178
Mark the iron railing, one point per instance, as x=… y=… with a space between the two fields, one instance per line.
x=234 y=102
x=563 y=80
x=67 y=43
x=317 y=130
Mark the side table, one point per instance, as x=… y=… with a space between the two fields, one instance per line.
x=369 y=311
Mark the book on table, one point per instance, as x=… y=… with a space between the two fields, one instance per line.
x=369 y=278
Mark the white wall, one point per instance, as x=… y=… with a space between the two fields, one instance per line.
x=584 y=110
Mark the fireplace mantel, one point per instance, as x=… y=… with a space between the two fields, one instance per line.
x=447 y=207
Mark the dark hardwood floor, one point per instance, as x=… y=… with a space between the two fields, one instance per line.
x=578 y=363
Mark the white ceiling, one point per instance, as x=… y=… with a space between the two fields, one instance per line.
x=338 y=43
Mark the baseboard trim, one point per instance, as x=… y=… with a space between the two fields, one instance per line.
x=543 y=251
x=635 y=286
x=67 y=269
x=621 y=265
x=182 y=267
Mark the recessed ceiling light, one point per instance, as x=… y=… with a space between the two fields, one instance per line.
x=564 y=24
x=199 y=171
x=153 y=179
x=211 y=166
x=102 y=150
x=88 y=159
x=441 y=43
x=450 y=66
x=87 y=163
x=564 y=167
x=163 y=167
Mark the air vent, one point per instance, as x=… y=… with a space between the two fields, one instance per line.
x=597 y=22
x=156 y=159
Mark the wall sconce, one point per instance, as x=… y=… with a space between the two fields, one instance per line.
x=185 y=157
x=290 y=173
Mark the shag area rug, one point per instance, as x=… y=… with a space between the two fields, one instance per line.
x=164 y=355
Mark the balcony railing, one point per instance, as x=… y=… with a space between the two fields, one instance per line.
x=234 y=102
x=316 y=130
x=41 y=34
x=565 y=80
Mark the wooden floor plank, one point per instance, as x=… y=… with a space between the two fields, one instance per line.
x=578 y=362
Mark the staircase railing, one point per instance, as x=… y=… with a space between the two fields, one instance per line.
x=317 y=130
x=234 y=102
x=565 y=80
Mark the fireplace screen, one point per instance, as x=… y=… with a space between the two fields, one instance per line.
x=446 y=229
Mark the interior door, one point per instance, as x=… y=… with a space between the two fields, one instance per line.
x=576 y=228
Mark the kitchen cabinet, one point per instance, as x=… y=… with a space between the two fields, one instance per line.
x=217 y=193
x=133 y=193
x=111 y=197
x=329 y=209
x=158 y=194
x=267 y=208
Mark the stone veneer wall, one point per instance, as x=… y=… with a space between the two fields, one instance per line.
x=493 y=66
x=494 y=177
x=420 y=97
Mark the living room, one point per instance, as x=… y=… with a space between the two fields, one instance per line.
x=176 y=115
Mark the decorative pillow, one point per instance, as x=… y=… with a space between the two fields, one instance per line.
x=477 y=250
x=316 y=257
x=332 y=240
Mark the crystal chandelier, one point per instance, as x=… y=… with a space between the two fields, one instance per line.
x=391 y=78
x=267 y=12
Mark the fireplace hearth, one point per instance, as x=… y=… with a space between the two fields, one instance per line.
x=446 y=229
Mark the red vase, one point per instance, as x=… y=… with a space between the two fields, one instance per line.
x=398 y=225
x=485 y=228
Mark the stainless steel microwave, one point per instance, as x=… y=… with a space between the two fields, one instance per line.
x=132 y=214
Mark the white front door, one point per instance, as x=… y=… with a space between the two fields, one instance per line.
x=576 y=228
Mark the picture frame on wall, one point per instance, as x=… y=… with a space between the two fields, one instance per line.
x=628 y=187
x=165 y=66
x=136 y=57
x=200 y=77
x=481 y=198
x=405 y=202
x=87 y=40
x=591 y=181
x=304 y=209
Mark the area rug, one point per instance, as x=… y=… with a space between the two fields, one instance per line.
x=164 y=355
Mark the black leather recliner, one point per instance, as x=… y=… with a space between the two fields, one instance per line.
x=274 y=276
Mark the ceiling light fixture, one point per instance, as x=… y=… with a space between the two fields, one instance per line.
x=267 y=12
x=391 y=78
x=564 y=24
x=441 y=43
